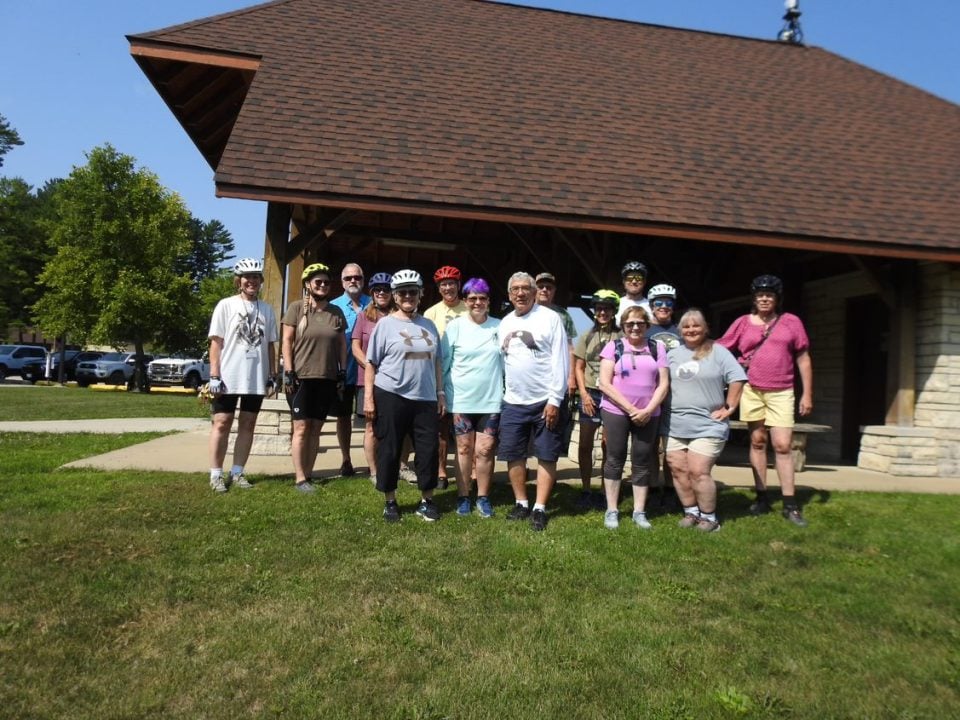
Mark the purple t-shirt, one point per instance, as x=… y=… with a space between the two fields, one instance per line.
x=635 y=374
x=771 y=366
x=362 y=330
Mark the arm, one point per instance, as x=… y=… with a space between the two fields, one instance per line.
x=357 y=348
x=585 y=400
x=286 y=345
x=734 y=390
x=216 y=347
x=369 y=406
x=441 y=394
x=805 y=366
x=572 y=382
x=663 y=387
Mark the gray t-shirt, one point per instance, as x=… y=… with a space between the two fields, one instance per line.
x=405 y=355
x=697 y=388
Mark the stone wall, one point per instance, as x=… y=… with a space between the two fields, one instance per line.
x=272 y=436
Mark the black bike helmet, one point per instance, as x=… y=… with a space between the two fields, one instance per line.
x=634 y=267
x=770 y=283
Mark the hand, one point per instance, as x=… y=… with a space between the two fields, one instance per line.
x=806 y=405
x=551 y=415
x=290 y=381
x=586 y=402
x=273 y=383
x=721 y=414
x=640 y=416
x=217 y=386
x=369 y=407
x=441 y=404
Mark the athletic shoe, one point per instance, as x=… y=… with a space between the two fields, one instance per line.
x=611 y=519
x=217 y=484
x=305 y=487
x=443 y=482
x=463 y=506
x=688 y=521
x=708 y=526
x=428 y=510
x=373 y=480
x=391 y=511
x=519 y=512
x=640 y=520
x=346 y=469
x=241 y=481
x=795 y=516
x=484 y=508
x=760 y=507
x=538 y=520
x=406 y=473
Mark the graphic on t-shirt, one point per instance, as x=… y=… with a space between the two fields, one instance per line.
x=669 y=340
x=250 y=329
x=524 y=336
x=409 y=339
x=688 y=370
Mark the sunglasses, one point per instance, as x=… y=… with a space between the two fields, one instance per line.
x=634 y=278
x=318 y=281
x=602 y=308
x=352 y=278
x=662 y=303
x=380 y=289
x=407 y=293
x=630 y=324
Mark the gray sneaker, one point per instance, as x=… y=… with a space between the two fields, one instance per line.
x=241 y=481
x=218 y=485
x=407 y=474
x=688 y=521
x=305 y=487
x=611 y=519
x=795 y=516
x=640 y=520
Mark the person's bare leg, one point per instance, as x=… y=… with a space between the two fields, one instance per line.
x=585 y=454
x=781 y=439
x=246 y=423
x=517 y=473
x=370 y=447
x=546 y=477
x=704 y=485
x=758 y=453
x=682 y=480
x=219 y=436
x=344 y=432
x=483 y=459
x=313 y=446
x=465 y=445
x=299 y=448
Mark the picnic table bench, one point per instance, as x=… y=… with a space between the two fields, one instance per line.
x=799 y=445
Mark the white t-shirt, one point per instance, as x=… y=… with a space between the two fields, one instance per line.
x=536 y=359
x=247 y=329
x=626 y=302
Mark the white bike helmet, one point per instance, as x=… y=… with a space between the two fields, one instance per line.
x=662 y=290
x=380 y=278
x=248 y=266
x=405 y=278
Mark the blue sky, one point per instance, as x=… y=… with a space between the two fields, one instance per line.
x=70 y=84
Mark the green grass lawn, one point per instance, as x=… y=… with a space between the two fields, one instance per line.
x=69 y=403
x=144 y=595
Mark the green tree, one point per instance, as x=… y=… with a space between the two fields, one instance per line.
x=210 y=245
x=8 y=138
x=119 y=238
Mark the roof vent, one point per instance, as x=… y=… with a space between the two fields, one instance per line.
x=791 y=31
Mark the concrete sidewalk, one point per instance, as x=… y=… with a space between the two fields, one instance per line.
x=112 y=426
x=186 y=452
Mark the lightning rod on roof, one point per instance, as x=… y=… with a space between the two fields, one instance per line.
x=791 y=31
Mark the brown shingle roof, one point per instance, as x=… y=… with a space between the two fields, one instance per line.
x=472 y=104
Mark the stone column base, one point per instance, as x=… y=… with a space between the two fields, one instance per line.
x=902 y=451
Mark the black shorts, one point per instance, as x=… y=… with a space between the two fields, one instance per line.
x=343 y=408
x=313 y=399
x=228 y=404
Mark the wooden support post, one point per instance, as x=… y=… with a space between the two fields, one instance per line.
x=902 y=368
x=275 y=255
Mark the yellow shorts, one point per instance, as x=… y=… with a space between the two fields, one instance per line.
x=774 y=407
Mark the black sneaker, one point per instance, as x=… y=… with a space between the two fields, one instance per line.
x=538 y=520
x=760 y=507
x=391 y=511
x=346 y=469
x=428 y=510
x=519 y=512
x=795 y=516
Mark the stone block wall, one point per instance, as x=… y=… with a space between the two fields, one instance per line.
x=272 y=436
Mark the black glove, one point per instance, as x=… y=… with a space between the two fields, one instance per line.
x=273 y=384
x=290 y=381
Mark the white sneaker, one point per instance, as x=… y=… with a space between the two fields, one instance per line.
x=611 y=519
x=640 y=520
x=217 y=484
x=241 y=482
x=407 y=473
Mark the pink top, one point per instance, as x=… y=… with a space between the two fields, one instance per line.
x=771 y=366
x=362 y=330
x=635 y=374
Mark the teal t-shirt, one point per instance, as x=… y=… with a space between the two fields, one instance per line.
x=472 y=366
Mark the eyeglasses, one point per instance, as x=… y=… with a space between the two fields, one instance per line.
x=352 y=278
x=602 y=309
x=634 y=278
x=477 y=299
x=662 y=303
x=380 y=289
x=630 y=324
x=545 y=286
x=517 y=289
x=318 y=281
x=407 y=293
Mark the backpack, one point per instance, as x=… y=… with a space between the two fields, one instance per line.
x=618 y=349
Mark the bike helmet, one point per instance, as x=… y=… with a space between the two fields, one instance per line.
x=314 y=269
x=405 y=278
x=248 y=266
x=770 y=283
x=605 y=297
x=380 y=278
x=447 y=272
x=662 y=290
x=634 y=267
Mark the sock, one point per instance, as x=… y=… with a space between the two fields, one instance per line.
x=762 y=496
x=711 y=516
x=540 y=506
x=790 y=503
x=523 y=503
x=237 y=470
x=692 y=510
x=216 y=473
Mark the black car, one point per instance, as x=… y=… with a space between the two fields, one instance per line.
x=35 y=370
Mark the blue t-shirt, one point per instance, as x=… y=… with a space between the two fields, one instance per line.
x=350 y=313
x=405 y=353
x=472 y=366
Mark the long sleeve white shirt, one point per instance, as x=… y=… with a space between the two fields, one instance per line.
x=536 y=358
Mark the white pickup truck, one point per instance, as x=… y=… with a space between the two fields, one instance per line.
x=189 y=372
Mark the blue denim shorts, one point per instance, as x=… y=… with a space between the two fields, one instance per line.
x=520 y=423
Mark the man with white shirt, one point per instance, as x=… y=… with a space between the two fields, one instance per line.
x=634 y=275
x=536 y=367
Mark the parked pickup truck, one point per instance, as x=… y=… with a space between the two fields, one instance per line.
x=114 y=368
x=14 y=357
x=189 y=372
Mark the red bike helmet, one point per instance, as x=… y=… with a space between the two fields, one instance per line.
x=447 y=272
